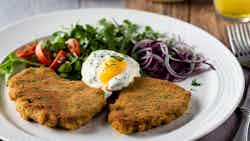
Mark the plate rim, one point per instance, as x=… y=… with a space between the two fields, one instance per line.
x=218 y=123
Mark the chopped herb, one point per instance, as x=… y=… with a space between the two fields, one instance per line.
x=118 y=58
x=195 y=83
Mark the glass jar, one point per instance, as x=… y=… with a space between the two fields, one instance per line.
x=234 y=10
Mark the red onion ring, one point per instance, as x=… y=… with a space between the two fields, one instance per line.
x=156 y=59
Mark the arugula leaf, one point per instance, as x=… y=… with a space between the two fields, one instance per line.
x=110 y=35
x=46 y=44
x=57 y=41
x=149 y=33
x=13 y=64
x=119 y=37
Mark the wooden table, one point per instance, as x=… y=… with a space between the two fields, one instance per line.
x=197 y=12
x=202 y=14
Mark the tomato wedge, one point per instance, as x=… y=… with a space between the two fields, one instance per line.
x=74 y=46
x=26 y=51
x=43 y=55
x=60 y=58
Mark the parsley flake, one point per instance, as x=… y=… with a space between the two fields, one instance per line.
x=195 y=83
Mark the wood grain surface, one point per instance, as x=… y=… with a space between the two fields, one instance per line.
x=202 y=14
x=197 y=12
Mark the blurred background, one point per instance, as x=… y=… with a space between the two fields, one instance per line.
x=12 y=10
x=198 y=12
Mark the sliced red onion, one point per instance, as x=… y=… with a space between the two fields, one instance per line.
x=174 y=64
x=143 y=50
x=147 y=56
x=148 y=63
x=199 y=60
x=142 y=43
x=178 y=75
x=164 y=50
x=157 y=57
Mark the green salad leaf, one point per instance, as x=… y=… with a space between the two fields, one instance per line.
x=14 y=64
x=111 y=35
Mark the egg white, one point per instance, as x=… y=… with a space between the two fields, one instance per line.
x=91 y=67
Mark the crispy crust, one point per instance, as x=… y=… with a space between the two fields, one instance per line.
x=41 y=95
x=147 y=103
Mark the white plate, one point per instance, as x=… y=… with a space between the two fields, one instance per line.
x=211 y=104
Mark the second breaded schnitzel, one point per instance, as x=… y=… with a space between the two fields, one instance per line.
x=41 y=95
x=147 y=103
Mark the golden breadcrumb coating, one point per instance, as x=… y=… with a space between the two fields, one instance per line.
x=147 y=103
x=41 y=95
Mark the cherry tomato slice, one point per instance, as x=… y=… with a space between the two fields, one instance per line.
x=60 y=58
x=43 y=55
x=74 y=46
x=26 y=51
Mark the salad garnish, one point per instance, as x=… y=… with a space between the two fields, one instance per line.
x=64 y=51
x=165 y=60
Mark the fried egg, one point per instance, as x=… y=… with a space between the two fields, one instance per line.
x=109 y=70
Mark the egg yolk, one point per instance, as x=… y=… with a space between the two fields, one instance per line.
x=110 y=68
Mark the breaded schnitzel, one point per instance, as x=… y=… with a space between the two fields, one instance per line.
x=147 y=103
x=41 y=95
